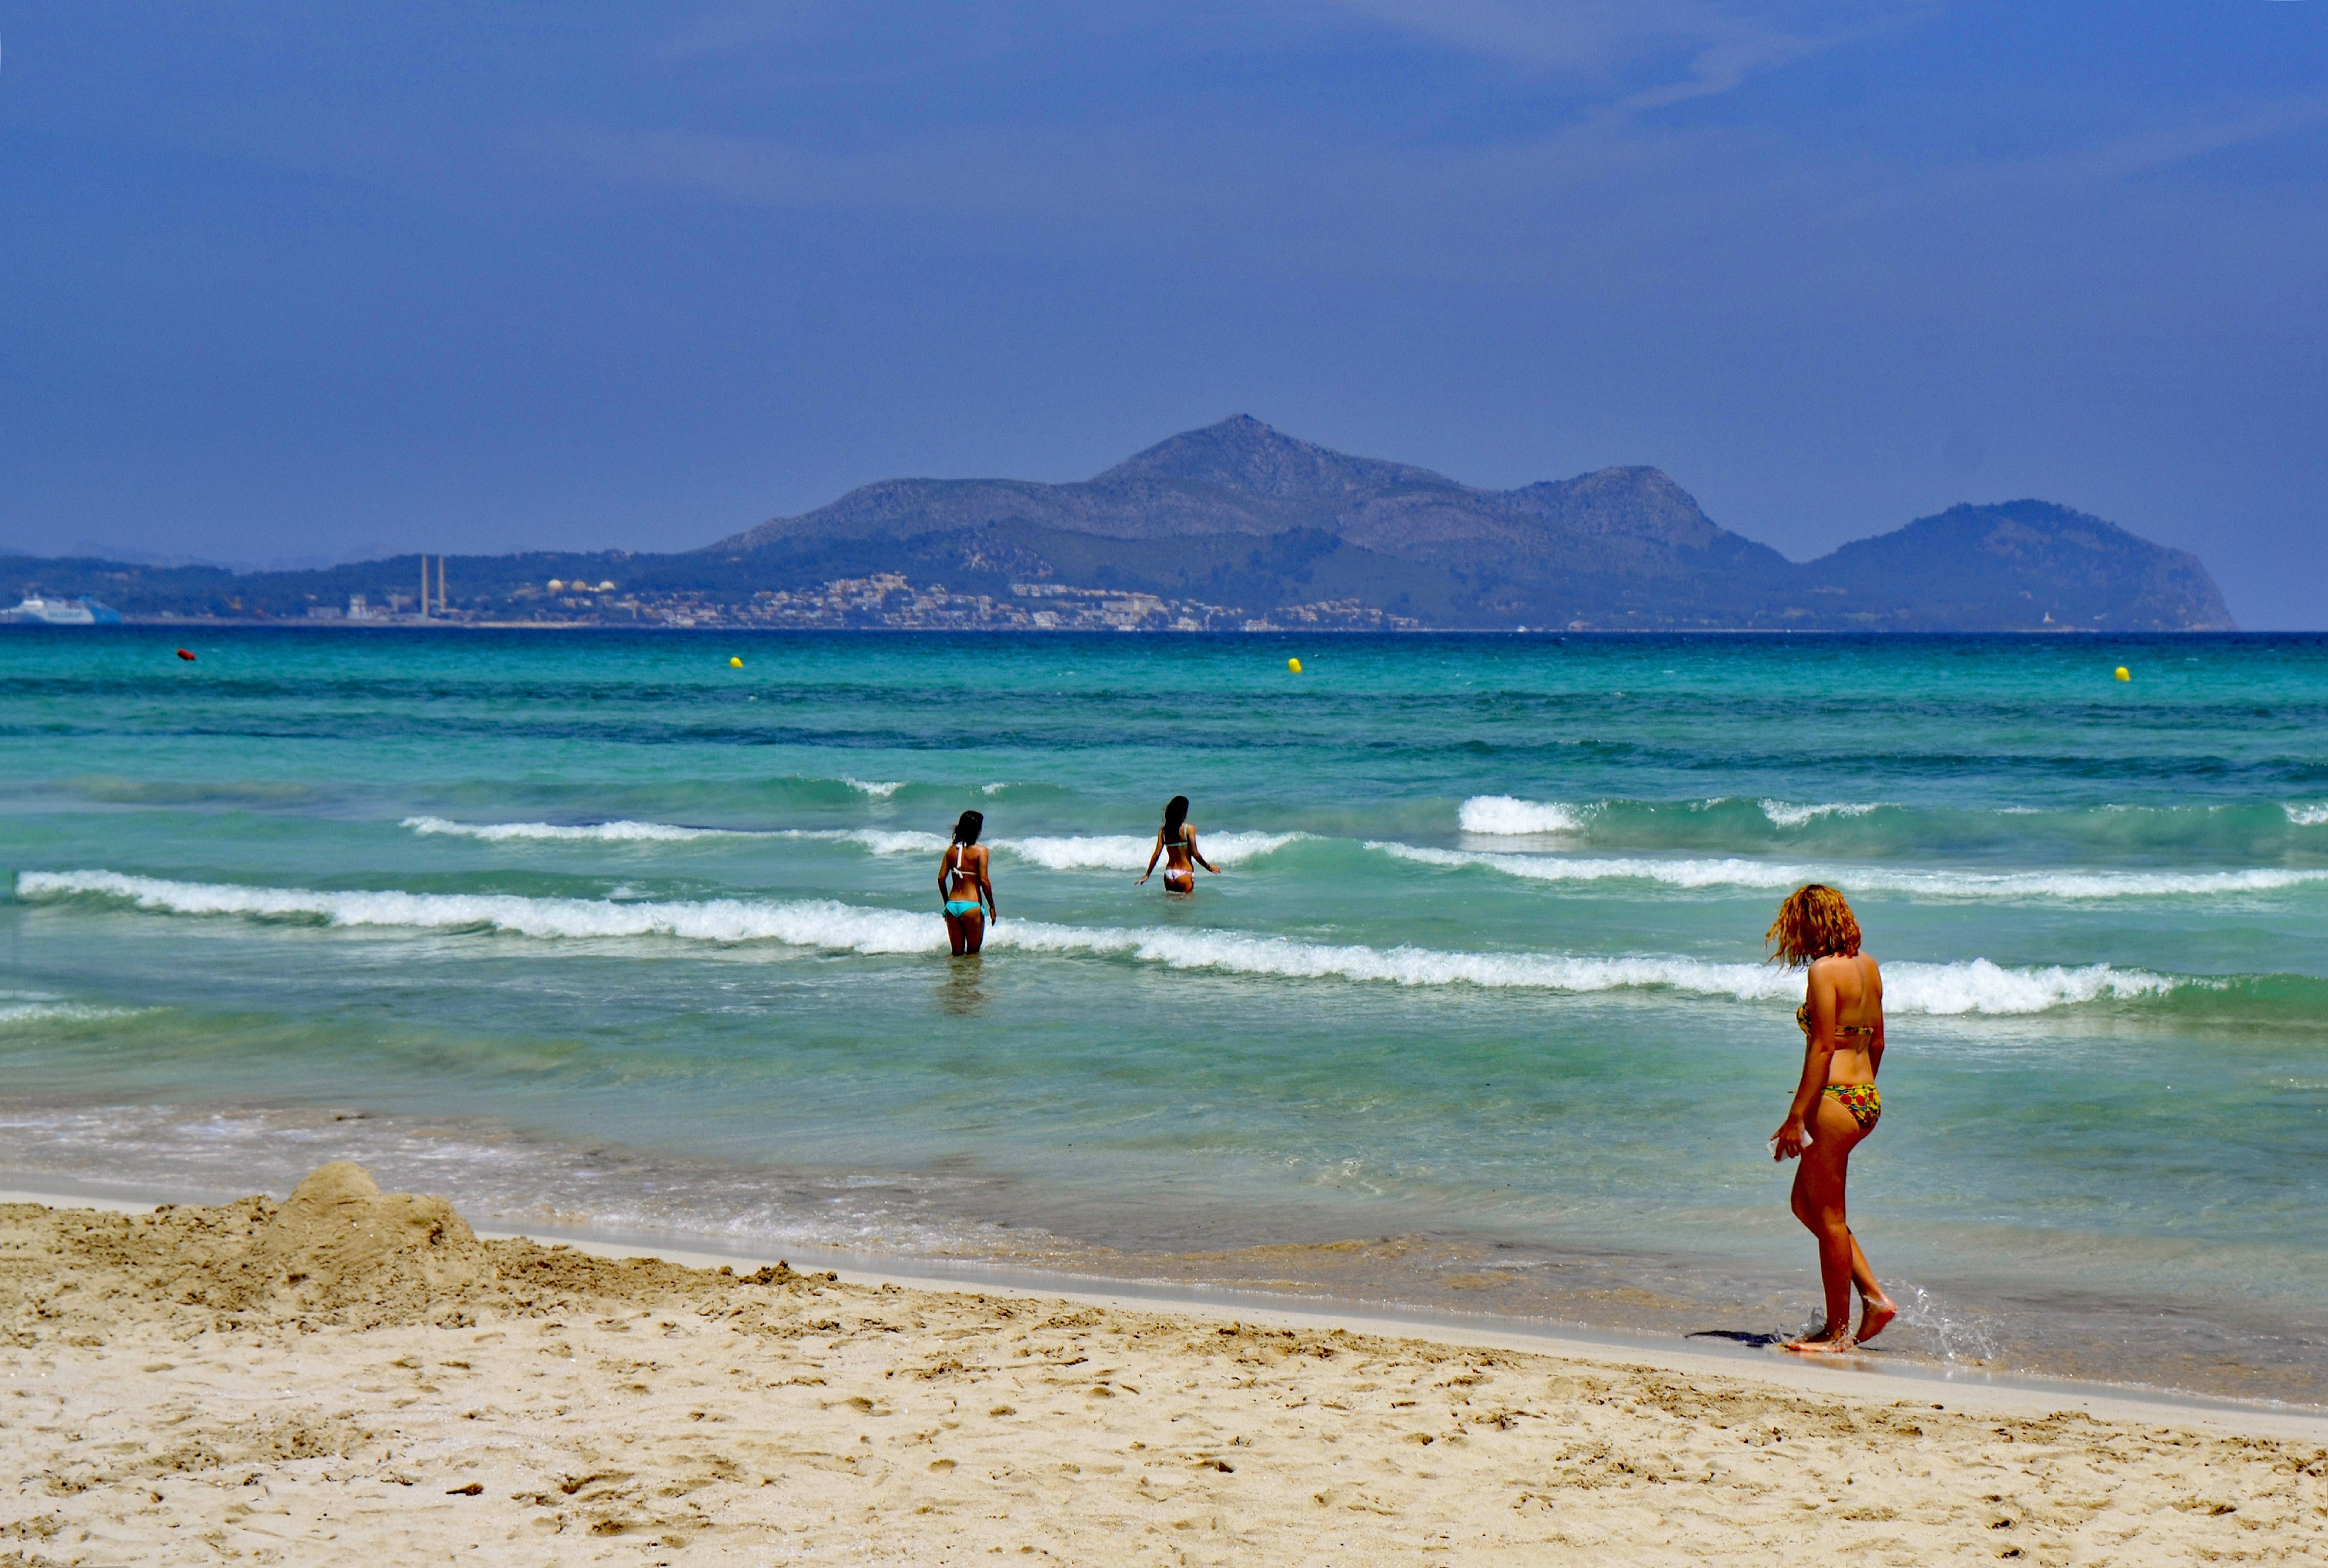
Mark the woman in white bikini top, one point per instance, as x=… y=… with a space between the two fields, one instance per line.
x=964 y=884
x=1176 y=845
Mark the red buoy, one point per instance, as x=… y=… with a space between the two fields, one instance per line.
x=188 y=657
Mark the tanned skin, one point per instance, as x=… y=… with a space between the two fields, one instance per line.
x=1820 y=1133
x=1179 y=877
x=964 y=866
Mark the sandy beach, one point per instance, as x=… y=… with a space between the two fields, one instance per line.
x=358 y=1376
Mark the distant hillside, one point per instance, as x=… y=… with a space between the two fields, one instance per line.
x=1239 y=512
x=2024 y=564
x=1237 y=525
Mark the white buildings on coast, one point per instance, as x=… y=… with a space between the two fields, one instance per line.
x=881 y=600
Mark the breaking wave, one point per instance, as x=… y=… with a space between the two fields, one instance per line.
x=31 y=1006
x=1784 y=815
x=805 y=924
x=1114 y=853
x=1123 y=852
x=1509 y=817
x=1736 y=872
x=880 y=840
x=560 y=832
x=1976 y=987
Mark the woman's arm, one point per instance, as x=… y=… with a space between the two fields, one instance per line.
x=1198 y=858
x=945 y=861
x=1819 y=1046
x=1153 y=856
x=986 y=887
x=1875 y=995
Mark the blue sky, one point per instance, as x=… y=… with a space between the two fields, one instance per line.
x=285 y=280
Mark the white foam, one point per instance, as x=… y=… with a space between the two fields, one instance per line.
x=13 y=1014
x=1114 y=853
x=1095 y=852
x=876 y=841
x=819 y=923
x=880 y=840
x=883 y=842
x=1977 y=987
x=1242 y=953
x=2305 y=816
x=878 y=791
x=1558 y=869
x=1123 y=852
x=28 y=1006
x=1735 y=872
x=1983 y=987
x=1786 y=816
x=583 y=832
x=1509 y=817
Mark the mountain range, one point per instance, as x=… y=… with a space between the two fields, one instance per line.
x=1237 y=523
x=1238 y=511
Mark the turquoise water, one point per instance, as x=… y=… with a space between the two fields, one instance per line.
x=594 y=930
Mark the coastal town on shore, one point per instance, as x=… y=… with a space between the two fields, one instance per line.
x=884 y=600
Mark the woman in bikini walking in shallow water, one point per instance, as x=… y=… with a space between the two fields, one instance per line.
x=1836 y=1102
x=963 y=883
x=1176 y=845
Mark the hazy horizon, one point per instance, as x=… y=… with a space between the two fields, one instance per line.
x=302 y=283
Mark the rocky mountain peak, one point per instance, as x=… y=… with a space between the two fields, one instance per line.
x=1241 y=454
x=1638 y=502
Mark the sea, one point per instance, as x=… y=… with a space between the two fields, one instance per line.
x=607 y=934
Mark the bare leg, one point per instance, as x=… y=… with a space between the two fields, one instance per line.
x=973 y=933
x=1818 y=1203
x=1875 y=1308
x=956 y=938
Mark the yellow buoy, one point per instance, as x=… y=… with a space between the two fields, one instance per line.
x=735 y=663
x=2123 y=673
x=1294 y=665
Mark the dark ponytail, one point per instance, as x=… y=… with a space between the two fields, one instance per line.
x=966 y=829
x=1176 y=817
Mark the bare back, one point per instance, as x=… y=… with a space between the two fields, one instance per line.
x=964 y=864
x=1175 y=850
x=1845 y=1003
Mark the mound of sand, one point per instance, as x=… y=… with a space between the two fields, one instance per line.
x=340 y=1252
x=341 y=1242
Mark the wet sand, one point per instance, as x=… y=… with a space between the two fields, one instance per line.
x=353 y=1377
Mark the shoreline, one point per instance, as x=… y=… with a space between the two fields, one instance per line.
x=354 y=1376
x=2022 y=1395
x=1999 y=1394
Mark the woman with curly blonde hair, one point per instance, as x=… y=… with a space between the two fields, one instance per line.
x=1835 y=1102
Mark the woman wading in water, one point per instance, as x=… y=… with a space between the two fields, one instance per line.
x=1176 y=845
x=963 y=883
x=1835 y=1103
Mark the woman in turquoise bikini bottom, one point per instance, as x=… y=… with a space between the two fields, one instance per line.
x=964 y=884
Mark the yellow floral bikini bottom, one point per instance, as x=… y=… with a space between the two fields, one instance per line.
x=1865 y=1105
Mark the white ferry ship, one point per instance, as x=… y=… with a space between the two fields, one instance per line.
x=81 y=612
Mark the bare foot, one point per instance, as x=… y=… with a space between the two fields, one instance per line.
x=1874 y=1314
x=1830 y=1345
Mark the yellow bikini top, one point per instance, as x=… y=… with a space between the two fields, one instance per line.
x=1803 y=1020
